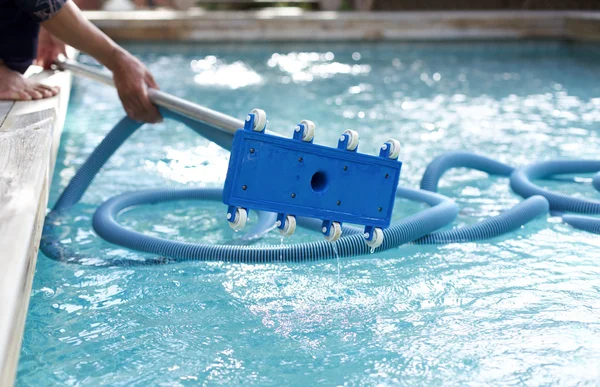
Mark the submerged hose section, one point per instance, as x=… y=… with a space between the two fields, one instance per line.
x=520 y=181
x=442 y=212
x=51 y=243
x=86 y=173
x=509 y=220
x=408 y=229
x=113 y=141
x=596 y=182
x=419 y=227
x=441 y=164
x=582 y=222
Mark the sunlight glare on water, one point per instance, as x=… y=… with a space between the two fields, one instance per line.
x=521 y=309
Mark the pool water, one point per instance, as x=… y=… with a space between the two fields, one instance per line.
x=520 y=309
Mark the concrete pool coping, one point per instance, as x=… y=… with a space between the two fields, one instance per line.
x=293 y=24
x=29 y=138
x=30 y=131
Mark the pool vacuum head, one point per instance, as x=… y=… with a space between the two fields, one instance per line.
x=294 y=177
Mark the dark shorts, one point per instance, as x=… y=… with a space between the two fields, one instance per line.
x=19 y=28
x=18 y=66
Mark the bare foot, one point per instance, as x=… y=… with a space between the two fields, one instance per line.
x=15 y=87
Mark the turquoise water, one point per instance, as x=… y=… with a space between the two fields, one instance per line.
x=521 y=309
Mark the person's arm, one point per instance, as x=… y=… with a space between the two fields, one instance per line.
x=131 y=77
x=49 y=46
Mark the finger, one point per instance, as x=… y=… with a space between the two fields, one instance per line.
x=150 y=81
x=150 y=112
x=129 y=109
x=135 y=106
x=43 y=62
x=137 y=110
x=42 y=57
x=146 y=111
x=50 y=58
x=54 y=57
x=130 y=114
x=125 y=102
x=155 y=114
x=41 y=52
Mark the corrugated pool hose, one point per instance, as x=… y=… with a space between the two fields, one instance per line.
x=442 y=212
x=418 y=228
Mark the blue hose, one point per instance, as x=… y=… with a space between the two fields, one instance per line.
x=441 y=164
x=581 y=222
x=415 y=228
x=50 y=242
x=408 y=229
x=596 y=182
x=509 y=220
x=442 y=212
x=520 y=181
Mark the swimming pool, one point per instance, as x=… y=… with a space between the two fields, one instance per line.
x=522 y=308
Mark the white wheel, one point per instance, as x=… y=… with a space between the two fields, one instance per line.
x=241 y=217
x=352 y=139
x=290 y=226
x=260 y=120
x=377 y=239
x=309 y=130
x=335 y=233
x=394 y=148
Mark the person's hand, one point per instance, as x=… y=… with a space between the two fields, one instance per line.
x=49 y=48
x=130 y=76
x=132 y=80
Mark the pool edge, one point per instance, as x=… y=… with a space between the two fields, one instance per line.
x=29 y=127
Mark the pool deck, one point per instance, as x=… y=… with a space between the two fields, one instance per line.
x=29 y=138
x=30 y=131
x=293 y=24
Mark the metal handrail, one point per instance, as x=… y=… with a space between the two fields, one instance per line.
x=189 y=109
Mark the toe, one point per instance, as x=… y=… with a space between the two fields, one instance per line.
x=14 y=95
x=34 y=94
x=45 y=91
x=52 y=89
x=23 y=96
